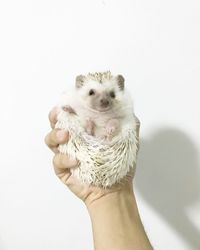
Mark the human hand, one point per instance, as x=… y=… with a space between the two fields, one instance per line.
x=62 y=165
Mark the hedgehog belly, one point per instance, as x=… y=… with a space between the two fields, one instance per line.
x=101 y=164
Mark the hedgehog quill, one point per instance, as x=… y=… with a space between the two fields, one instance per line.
x=100 y=118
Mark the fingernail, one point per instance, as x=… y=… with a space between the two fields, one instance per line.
x=61 y=135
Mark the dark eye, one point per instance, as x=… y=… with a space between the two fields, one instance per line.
x=91 y=92
x=112 y=94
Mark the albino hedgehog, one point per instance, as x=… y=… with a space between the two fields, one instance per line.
x=99 y=116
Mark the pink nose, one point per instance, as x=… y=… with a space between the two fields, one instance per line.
x=104 y=102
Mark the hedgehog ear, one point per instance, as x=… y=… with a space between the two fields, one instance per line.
x=120 y=81
x=80 y=81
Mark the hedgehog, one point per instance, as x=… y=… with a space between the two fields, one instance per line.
x=99 y=115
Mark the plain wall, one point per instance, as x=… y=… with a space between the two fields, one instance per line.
x=43 y=46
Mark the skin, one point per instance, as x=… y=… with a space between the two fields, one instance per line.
x=115 y=219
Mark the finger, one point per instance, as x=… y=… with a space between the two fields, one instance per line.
x=55 y=150
x=62 y=163
x=68 y=109
x=64 y=177
x=53 y=116
x=56 y=137
x=137 y=123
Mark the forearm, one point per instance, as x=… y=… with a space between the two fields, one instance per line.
x=116 y=222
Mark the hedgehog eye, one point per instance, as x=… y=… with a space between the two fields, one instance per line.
x=91 y=92
x=112 y=94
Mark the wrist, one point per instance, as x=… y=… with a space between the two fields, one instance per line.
x=116 y=222
x=121 y=198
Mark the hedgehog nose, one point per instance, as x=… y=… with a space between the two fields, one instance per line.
x=104 y=102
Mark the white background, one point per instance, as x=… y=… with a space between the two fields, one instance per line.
x=43 y=46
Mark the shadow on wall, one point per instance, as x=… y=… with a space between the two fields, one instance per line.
x=168 y=179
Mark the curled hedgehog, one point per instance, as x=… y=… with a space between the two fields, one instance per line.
x=99 y=115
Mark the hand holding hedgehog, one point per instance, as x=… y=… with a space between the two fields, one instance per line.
x=99 y=117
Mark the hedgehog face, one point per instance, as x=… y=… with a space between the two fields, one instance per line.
x=100 y=100
x=100 y=96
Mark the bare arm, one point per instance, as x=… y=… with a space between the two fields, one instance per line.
x=114 y=214
x=116 y=222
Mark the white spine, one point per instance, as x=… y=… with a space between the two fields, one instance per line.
x=101 y=163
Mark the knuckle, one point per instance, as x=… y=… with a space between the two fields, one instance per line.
x=46 y=139
x=138 y=122
x=59 y=160
x=64 y=160
x=52 y=125
x=53 y=114
x=53 y=136
x=55 y=160
x=56 y=170
x=49 y=116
